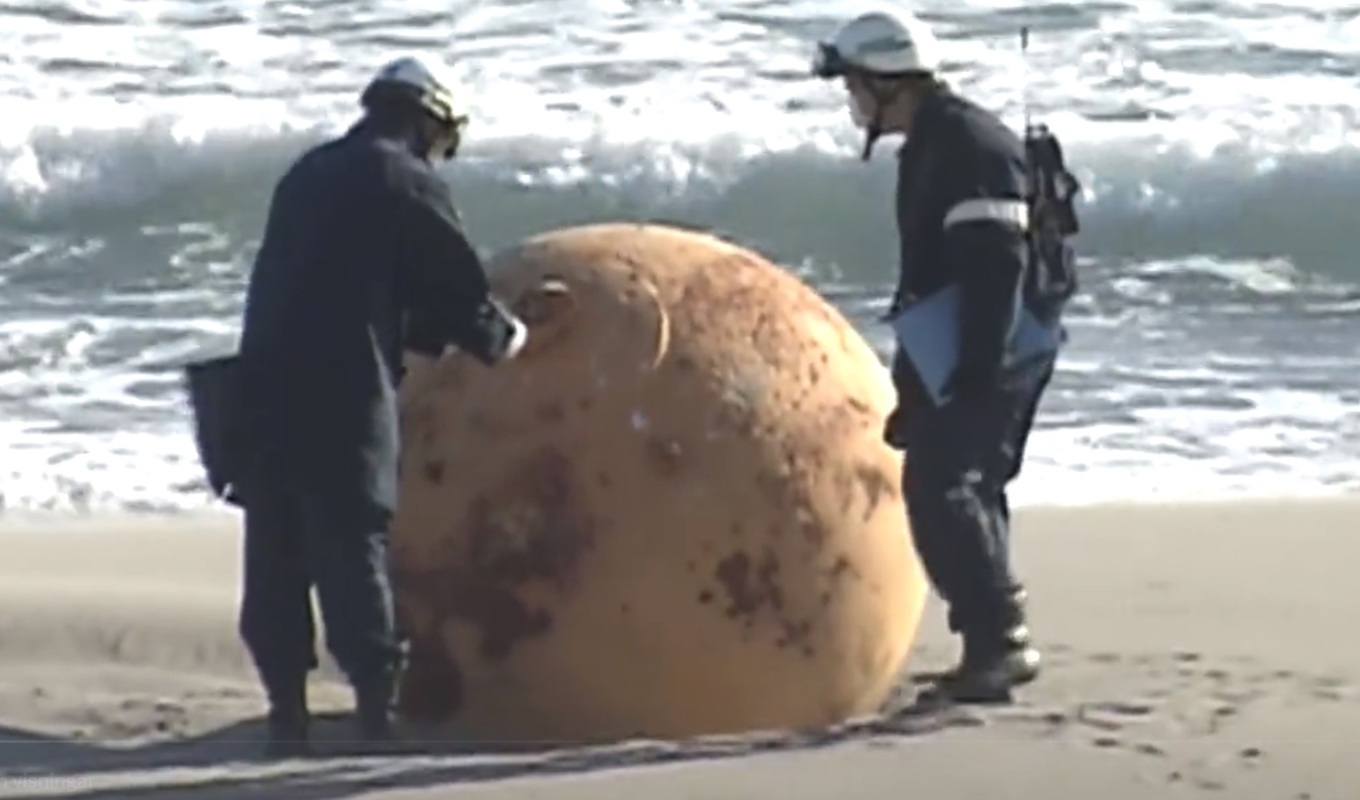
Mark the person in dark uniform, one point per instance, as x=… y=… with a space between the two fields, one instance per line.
x=362 y=258
x=965 y=211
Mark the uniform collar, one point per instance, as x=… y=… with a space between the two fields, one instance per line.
x=361 y=129
x=932 y=109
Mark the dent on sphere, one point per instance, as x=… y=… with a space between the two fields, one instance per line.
x=677 y=531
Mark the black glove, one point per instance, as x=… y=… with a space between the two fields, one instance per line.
x=899 y=301
x=894 y=429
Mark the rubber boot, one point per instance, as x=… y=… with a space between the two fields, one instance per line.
x=375 y=716
x=289 y=723
x=375 y=704
x=995 y=660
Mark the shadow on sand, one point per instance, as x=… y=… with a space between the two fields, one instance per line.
x=223 y=764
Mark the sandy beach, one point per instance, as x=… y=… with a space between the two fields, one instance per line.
x=1193 y=650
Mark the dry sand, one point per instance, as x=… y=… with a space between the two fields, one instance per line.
x=1193 y=651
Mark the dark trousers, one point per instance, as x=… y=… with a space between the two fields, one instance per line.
x=959 y=459
x=295 y=541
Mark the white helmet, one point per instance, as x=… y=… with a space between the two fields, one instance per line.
x=423 y=82
x=887 y=43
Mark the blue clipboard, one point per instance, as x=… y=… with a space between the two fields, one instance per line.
x=927 y=331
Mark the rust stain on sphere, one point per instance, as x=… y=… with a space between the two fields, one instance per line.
x=673 y=515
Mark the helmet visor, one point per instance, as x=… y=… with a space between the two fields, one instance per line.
x=828 y=63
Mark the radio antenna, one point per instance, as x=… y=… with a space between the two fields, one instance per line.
x=1024 y=76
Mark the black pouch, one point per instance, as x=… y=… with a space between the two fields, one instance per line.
x=214 y=387
x=1052 y=278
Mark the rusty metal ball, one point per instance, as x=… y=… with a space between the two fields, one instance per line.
x=673 y=515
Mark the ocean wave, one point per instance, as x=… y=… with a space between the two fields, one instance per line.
x=814 y=202
x=1213 y=342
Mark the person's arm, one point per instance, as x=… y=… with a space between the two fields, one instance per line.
x=985 y=245
x=446 y=292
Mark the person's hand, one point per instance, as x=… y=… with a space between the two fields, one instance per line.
x=895 y=307
x=894 y=429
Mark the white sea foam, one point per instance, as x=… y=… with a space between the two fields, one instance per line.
x=1214 y=345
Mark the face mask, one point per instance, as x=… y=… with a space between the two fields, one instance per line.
x=443 y=149
x=858 y=115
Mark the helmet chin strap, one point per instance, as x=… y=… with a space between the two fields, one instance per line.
x=421 y=142
x=873 y=131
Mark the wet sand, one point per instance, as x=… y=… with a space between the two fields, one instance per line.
x=1193 y=650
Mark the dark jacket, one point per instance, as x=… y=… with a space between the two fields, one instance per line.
x=362 y=257
x=962 y=218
